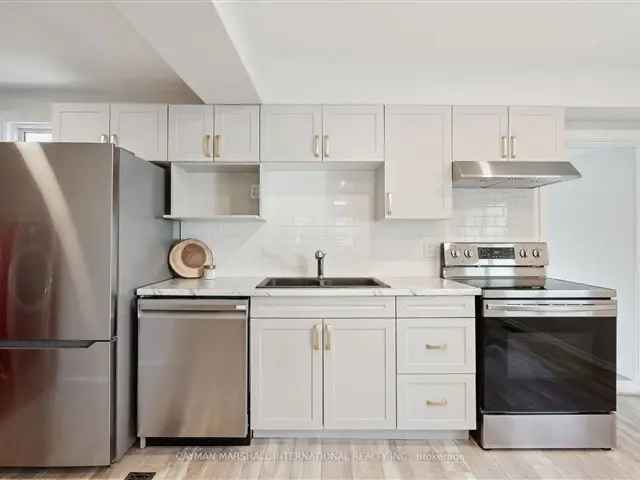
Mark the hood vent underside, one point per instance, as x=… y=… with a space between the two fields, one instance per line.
x=511 y=174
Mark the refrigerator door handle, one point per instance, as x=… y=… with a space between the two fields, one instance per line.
x=45 y=344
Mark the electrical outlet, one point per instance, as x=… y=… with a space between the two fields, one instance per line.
x=254 y=193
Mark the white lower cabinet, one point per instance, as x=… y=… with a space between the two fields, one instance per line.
x=359 y=374
x=436 y=402
x=322 y=373
x=286 y=374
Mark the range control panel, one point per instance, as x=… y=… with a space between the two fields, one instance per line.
x=470 y=254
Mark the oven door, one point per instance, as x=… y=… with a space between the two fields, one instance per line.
x=551 y=356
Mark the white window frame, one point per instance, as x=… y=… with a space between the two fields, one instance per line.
x=16 y=130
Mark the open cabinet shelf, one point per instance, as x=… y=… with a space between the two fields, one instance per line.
x=213 y=192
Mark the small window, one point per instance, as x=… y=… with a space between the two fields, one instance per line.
x=34 y=135
x=29 y=132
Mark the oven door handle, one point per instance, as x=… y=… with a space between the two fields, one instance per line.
x=606 y=309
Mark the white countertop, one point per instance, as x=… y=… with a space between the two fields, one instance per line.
x=245 y=287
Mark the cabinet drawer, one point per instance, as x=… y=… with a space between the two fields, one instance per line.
x=323 y=307
x=436 y=402
x=436 y=345
x=444 y=306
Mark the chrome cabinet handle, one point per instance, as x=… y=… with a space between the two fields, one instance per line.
x=326 y=145
x=436 y=403
x=316 y=145
x=113 y=138
x=431 y=346
x=328 y=340
x=206 y=140
x=104 y=138
x=389 y=199
x=317 y=336
x=217 y=146
x=513 y=147
x=504 y=147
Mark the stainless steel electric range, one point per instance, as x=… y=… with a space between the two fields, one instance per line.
x=546 y=349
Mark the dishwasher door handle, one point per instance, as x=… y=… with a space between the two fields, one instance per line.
x=193 y=305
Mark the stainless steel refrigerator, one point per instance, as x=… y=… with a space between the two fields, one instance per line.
x=80 y=228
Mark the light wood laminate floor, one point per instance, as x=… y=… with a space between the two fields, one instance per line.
x=373 y=459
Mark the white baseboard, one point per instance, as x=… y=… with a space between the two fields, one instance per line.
x=366 y=434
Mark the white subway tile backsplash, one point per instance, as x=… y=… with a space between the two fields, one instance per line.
x=334 y=211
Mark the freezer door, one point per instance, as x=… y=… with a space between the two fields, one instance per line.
x=57 y=218
x=55 y=404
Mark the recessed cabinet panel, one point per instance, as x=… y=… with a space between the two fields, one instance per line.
x=480 y=134
x=359 y=374
x=536 y=133
x=291 y=133
x=190 y=133
x=353 y=133
x=418 y=162
x=80 y=122
x=436 y=402
x=286 y=374
x=436 y=345
x=140 y=128
x=237 y=133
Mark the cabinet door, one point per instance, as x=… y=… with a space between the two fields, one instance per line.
x=141 y=128
x=418 y=162
x=536 y=133
x=80 y=122
x=237 y=134
x=353 y=133
x=359 y=374
x=480 y=134
x=190 y=133
x=286 y=374
x=291 y=133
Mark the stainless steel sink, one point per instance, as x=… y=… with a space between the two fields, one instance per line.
x=326 y=282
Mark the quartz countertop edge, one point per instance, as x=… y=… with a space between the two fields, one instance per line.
x=246 y=287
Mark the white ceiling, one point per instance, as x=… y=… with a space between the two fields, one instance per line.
x=446 y=52
x=276 y=51
x=81 y=51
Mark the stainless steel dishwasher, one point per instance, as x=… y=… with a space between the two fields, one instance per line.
x=192 y=368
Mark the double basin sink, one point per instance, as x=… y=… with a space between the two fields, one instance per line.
x=324 y=282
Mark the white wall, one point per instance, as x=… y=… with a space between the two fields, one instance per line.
x=334 y=211
x=590 y=225
x=21 y=110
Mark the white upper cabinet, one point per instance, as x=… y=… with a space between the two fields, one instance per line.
x=291 y=133
x=480 y=134
x=353 y=133
x=190 y=133
x=536 y=133
x=237 y=133
x=418 y=162
x=80 y=122
x=286 y=374
x=359 y=374
x=508 y=133
x=140 y=128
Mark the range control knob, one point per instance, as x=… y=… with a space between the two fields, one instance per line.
x=535 y=252
x=523 y=253
x=468 y=253
x=455 y=253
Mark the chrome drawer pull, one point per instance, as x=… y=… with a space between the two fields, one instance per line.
x=317 y=336
x=436 y=403
x=430 y=346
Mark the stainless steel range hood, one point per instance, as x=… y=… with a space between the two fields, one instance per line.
x=511 y=174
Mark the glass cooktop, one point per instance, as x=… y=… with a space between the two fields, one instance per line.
x=527 y=287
